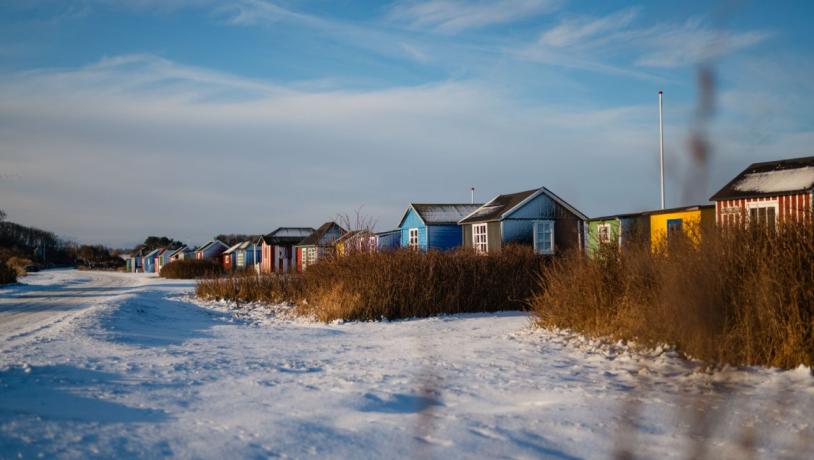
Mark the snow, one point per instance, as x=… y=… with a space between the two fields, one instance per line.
x=292 y=232
x=129 y=365
x=786 y=180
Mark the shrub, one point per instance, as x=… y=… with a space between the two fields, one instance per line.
x=18 y=264
x=249 y=287
x=403 y=284
x=741 y=296
x=392 y=285
x=190 y=269
x=7 y=274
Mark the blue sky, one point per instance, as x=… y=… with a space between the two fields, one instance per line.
x=124 y=118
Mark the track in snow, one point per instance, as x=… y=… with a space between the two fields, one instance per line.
x=118 y=365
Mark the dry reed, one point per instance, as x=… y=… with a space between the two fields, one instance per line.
x=741 y=296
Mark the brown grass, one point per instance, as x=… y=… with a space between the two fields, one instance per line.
x=401 y=284
x=248 y=287
x=18 y=264
x=405 y=284
x=190 y=269
x=7 y=274
x=741 y=297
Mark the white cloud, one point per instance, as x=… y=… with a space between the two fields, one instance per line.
x=617 y=41
x=582 y=31
x=136 y=145
x=452 y=16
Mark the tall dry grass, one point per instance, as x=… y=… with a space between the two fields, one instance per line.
x=401 y=284
x=742 y=296
x=249 y=287
x=191 y=269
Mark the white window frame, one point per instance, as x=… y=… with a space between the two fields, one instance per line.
x=480 y=238
x=538 y=228
x=761 y=205
x=599 y=229
x=412 y=238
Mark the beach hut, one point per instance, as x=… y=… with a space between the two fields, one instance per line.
x=148 y=261
x=768 y=193
x=621 y=229
x=248 y=254
x=182 y=253
x=536 y=218
x=317 y=245
x=426 y=226
x=389 y=240
x=229 y=257
x=277 y=252
x=163 y=258
x=356 y=241
x=688 y=221
x=211 y=250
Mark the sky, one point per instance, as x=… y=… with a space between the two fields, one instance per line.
x=121 y=119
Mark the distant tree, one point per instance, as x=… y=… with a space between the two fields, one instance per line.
x=97 y=256
x=2 y=215
x=155 y=242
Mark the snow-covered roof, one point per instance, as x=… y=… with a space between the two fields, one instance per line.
x=777 y=181
x=233 y=248
x=770 y=178
x=293 y=232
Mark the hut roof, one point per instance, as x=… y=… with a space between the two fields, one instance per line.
x=770 y=178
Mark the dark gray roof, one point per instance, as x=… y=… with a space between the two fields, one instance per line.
x=316 y=236
x=441 y=213
x=770 y=178
x=287 y=235
x=494 y=209
x=500 y=206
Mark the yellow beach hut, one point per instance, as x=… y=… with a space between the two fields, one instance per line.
x=689 y=221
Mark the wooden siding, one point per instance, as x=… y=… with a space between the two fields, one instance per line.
x=494 y=238
x=277 y=258
x=412 y=220
x=700 y=218
x=593 y=243
x=388 y=241
x=444 y=237
x=794 y=207
x=518 y=227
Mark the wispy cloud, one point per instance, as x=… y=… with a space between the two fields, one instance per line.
x=583 y=31
x=618 y=42
x=158 y=134
x=453 y=16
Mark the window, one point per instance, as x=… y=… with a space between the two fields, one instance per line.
x=312 y=256
x=763 y=213
x=674 y=228
x=480 y=240
x=544 y=237
x=412 y=241
x=603 y=233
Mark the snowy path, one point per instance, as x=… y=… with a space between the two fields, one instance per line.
x=119 y=365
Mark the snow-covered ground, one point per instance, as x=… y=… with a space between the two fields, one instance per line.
x=127 y=365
